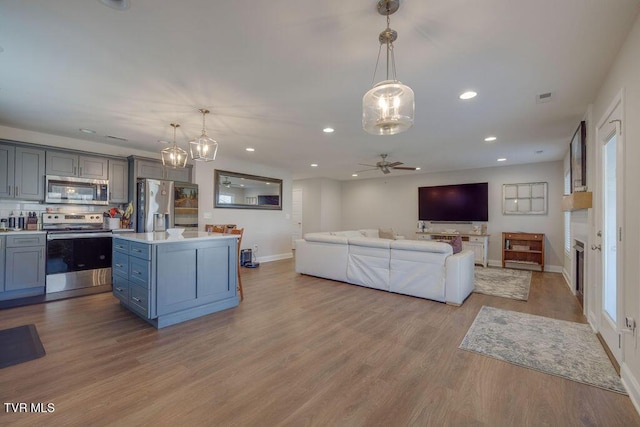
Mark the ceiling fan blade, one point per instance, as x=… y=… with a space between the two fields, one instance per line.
x=365 y=164
x=366 y=170
x=386 y=170
x=404 y=168
x=394 y=164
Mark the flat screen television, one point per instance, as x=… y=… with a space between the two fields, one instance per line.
x=454 y=203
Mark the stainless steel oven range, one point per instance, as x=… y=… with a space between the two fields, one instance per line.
x=78 y=251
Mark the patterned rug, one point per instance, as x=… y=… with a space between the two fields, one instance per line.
x=557 y=347
x=503 y=282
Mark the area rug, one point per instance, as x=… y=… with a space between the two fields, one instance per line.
x=557 y=347
x=503 y=282
x=20 y=344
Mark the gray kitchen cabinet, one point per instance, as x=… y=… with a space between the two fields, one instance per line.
x=24 y=265
x=170 y=281
x=29 y=174
x=70 y=164
x=118 y=181
x=149 y=168
x=2 y=256
x=7 y=173
x=21 y=172
x=182 y=174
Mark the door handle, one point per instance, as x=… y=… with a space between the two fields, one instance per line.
x=594 y=247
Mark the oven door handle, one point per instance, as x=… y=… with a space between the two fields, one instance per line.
x=63 y=236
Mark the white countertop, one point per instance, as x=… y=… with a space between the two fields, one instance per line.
x=163 y=237
x=15 y=232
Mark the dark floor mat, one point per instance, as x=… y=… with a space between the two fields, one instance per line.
x=20 y=344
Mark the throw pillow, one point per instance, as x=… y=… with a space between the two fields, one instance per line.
x=456 y=244
x=386 y=233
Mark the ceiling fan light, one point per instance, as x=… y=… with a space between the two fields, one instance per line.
x=388 y=108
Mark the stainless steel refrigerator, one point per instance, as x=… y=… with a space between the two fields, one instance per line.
x=164 y=204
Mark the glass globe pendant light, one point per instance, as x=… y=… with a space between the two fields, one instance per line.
x=388 y=107
x=174 y=157
x=203 y=148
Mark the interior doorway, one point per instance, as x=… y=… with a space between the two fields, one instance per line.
x=609 y=143
x=296 y=216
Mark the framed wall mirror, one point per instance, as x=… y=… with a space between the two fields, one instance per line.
x=242 y=191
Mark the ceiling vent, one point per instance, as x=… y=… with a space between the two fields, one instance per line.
x=116 y=4
x=541 y=98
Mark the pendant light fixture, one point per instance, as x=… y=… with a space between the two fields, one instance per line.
x=388 y=107
x=203 y=148
x=174 y=157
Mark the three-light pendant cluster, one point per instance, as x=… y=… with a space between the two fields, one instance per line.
x=203 y=148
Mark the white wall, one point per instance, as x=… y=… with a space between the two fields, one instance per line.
x=321 y=204
x=624 y=75
x=269 y=229
x=393 y=202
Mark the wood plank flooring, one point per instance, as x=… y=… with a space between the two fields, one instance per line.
x=297 y=351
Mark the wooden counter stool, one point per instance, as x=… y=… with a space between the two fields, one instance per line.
x=238 y=231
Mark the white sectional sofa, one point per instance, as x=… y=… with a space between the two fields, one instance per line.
x=418 y=268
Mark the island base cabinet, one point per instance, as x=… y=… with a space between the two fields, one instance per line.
x=170 y=283
x=190 y=277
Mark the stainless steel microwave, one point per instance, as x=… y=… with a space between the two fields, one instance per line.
x=79 y=191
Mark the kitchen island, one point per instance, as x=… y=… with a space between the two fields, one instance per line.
x=167 y=280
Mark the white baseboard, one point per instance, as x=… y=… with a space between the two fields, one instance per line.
x=547 y=268
x=632 y=385
x=276 y=257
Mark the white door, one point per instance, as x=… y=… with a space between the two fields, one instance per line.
x=296 y=216
x=606 y=247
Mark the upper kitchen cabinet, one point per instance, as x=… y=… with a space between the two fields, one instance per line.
x=118 y=181
x=69 y=164
x=21 y=172
x=148 y=168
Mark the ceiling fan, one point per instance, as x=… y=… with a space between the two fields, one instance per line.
x=386 y=166
x=227 y=183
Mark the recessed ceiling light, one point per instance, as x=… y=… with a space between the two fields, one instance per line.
x=468 y=95
x=354 y=174
x=328 y=130
x=490 y=139
x=418 y=169
x=90 y=131
x=314 y=165
x=539 y=151
x=250 y=149
x=162 y=141
x=119 y=138
x=502 y=159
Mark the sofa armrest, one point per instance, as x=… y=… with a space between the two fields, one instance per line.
x=460 y=274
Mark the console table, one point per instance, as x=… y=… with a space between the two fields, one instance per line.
x=477 y=243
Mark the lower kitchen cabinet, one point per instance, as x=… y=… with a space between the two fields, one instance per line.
x=173 y=281
x=24 y=265
x=2 y=255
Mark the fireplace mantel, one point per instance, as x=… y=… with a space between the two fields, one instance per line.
x=577 y=201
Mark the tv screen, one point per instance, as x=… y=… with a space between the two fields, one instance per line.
x=454 y=203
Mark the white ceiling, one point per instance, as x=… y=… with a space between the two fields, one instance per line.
x=275 y=73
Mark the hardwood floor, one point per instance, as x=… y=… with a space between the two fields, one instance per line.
x=297 y=351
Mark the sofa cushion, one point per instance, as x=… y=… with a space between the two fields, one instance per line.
x=370 y=241
x=348 y=233
x=370 y=232
x=422 y=246
x=325 y=238
x=386 y=233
